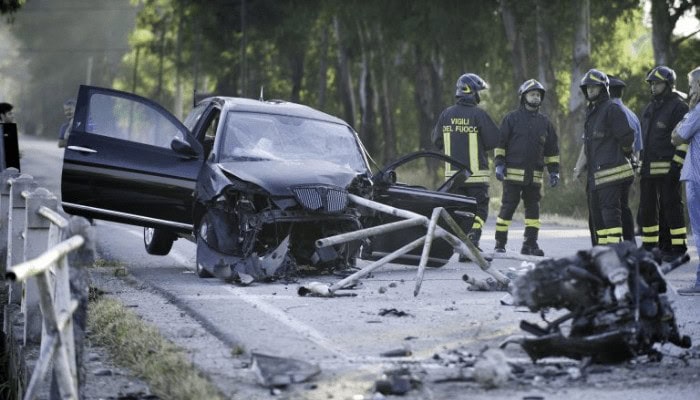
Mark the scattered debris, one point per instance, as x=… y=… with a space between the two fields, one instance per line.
x=397 y=353
x=484 y=285
x=397 y=382
x=394 y=312
x=492 y=369
x=275 y=372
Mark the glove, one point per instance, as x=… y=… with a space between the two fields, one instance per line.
x=500 y=172
x=553 y=179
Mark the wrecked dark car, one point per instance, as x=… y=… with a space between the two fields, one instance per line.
x=616 y=300
x=253 y=183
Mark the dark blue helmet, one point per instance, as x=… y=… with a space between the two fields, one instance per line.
x=595 y=77
x=470 y=85
x=662 y=74
x=530 y=85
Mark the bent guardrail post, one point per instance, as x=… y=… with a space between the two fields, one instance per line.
x=76 y=264
x=426 y=249
x=15 y=229
x=57 y=321
x=36 y=239
x=5 y=175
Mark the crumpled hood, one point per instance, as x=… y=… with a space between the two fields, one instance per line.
x=276 y=177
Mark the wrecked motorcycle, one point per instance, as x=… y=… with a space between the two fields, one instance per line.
x=616 y=301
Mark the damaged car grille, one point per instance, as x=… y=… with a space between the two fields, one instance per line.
x=330 y=199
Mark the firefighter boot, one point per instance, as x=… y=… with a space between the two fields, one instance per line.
x=501 y=240
x=530 y=247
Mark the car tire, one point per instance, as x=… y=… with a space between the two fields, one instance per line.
x=201 y=271
x=157 y=241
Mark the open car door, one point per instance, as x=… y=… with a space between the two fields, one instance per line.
x=407 y=184
x=127 y=159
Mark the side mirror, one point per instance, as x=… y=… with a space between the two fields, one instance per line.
x=183 y=148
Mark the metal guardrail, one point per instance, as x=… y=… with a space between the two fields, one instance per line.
x=51 y=293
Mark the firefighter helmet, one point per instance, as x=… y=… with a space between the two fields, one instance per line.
x=662 y=74
x=470 y=85
x=594 y=77
x=530 y=85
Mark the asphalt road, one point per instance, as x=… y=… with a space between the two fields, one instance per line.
x=221 y=325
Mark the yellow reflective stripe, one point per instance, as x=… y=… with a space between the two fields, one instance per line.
x=657 y=171
x=499 y=152
x=551 y=159
x=614 y=239
x=478 y=179
x=682 y=147
x=601 y=232
x=500 y=221
x=679 y=231
x=678 y=159
x=478 y=223
x=532 y=223
x=678 y=242
x=653 y=228
x=537 y=179
x=613 y=171
x=650 y=239
x=615 y=177
x=473 y=151
x=537 y=174
x=515 y=171
x=515 y=178
x=659 y=164
x=446 y=136
x=602 y=240
x=615 y=231
x=501 y=228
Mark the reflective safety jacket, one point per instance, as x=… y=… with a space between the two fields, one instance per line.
x=466 y=132
x=528 y=142
x=659 y=118
x=608 y=139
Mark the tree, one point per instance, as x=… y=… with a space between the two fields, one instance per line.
x=664 y=17
x=10 y=6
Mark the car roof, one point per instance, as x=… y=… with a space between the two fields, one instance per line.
x=279 y=107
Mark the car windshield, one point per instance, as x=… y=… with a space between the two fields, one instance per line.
x=255 y=137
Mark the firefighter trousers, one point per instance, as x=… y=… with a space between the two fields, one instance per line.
x=626 y=215
x=481 y=194
x=512 y=194
x=607 y=205
x=662 y=194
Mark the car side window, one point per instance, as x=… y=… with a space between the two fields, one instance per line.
x=211 y=124
x=128 y=119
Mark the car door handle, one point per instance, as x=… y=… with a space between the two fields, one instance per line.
x=81 y=149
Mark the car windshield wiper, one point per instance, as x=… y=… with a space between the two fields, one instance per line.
x=246 y=158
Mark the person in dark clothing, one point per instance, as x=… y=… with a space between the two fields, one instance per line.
x=660 y=187
x=466 y=132
x=6 y=114
x=617 y=87
x=608 y=140
x=528 y=143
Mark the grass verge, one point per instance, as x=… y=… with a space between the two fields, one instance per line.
x=138 y=346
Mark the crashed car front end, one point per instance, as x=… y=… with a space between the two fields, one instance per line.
x=259 y=225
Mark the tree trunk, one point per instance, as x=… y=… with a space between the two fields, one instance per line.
x=367 y=115
x=178 y=68
x=296 y=63
x=661 y=32
x=545 y=69
x=323 y=69
x=581 y=60
x=516 y=45
x=385 y=105
x=428 y=95
x=345 y=91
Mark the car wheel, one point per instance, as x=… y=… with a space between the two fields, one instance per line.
x=157 y=241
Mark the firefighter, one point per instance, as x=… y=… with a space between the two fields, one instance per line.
x=528 y=143
x=688 y=132
x=608 y=140
x=660 y=187
x=617 y=86
x=466 y=132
